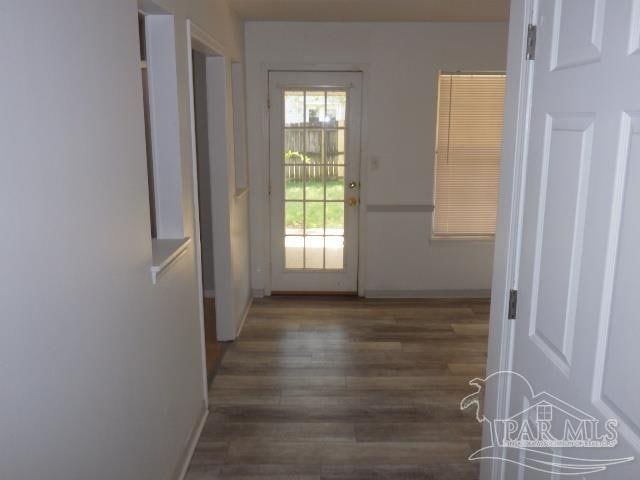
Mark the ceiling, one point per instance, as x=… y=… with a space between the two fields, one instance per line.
x=373 y=10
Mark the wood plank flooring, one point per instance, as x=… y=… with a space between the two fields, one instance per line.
x=214 y=349
x=346 y=389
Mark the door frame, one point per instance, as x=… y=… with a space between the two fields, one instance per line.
x=198 y=37
x=364 y=70
x=509 y=219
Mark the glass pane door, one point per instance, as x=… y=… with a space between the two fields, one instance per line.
x=314 y=164
x=313 y=169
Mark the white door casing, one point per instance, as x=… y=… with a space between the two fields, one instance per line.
x=576 y=328
x=316 y=256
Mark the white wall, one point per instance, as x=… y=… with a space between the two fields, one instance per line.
x=402 y=62
x=100 y=371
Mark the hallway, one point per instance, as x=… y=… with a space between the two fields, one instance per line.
x=345 y=388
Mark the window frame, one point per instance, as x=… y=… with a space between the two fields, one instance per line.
x=456 y=237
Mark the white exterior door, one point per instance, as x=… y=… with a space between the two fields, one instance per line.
x=314 y=128
x=577 y=327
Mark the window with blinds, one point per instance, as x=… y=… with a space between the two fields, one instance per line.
x=469 y=141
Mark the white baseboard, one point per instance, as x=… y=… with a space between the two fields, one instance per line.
x=194 y=437
x=477 y=293
x=427 y=293
x=209 y=294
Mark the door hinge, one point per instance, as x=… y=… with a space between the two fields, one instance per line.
x=513 y=304
x=532 y=33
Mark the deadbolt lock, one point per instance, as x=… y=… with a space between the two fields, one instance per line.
x=353 y=184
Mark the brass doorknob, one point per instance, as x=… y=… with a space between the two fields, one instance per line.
x=353 y=201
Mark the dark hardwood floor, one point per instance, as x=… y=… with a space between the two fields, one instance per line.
x=213 y=348
x=345 y=388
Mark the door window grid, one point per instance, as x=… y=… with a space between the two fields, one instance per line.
x=314 y=156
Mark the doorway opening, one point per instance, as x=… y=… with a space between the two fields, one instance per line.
x=314 y=125
x=213 y=348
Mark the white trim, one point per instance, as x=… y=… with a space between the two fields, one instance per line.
x=427 y=294
x=200 y=36
x=266 y=245
x=196 y=214
x=245 y=314
x=164 y=253
x=240 y=192
x=149 y=7
x=509 y=219
x=364 y=177
x=194 y=438
x=400 y=208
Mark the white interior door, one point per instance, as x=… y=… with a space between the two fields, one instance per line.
x=577 y=326
x=314 y=128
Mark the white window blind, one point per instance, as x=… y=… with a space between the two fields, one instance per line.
x=469 y=141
